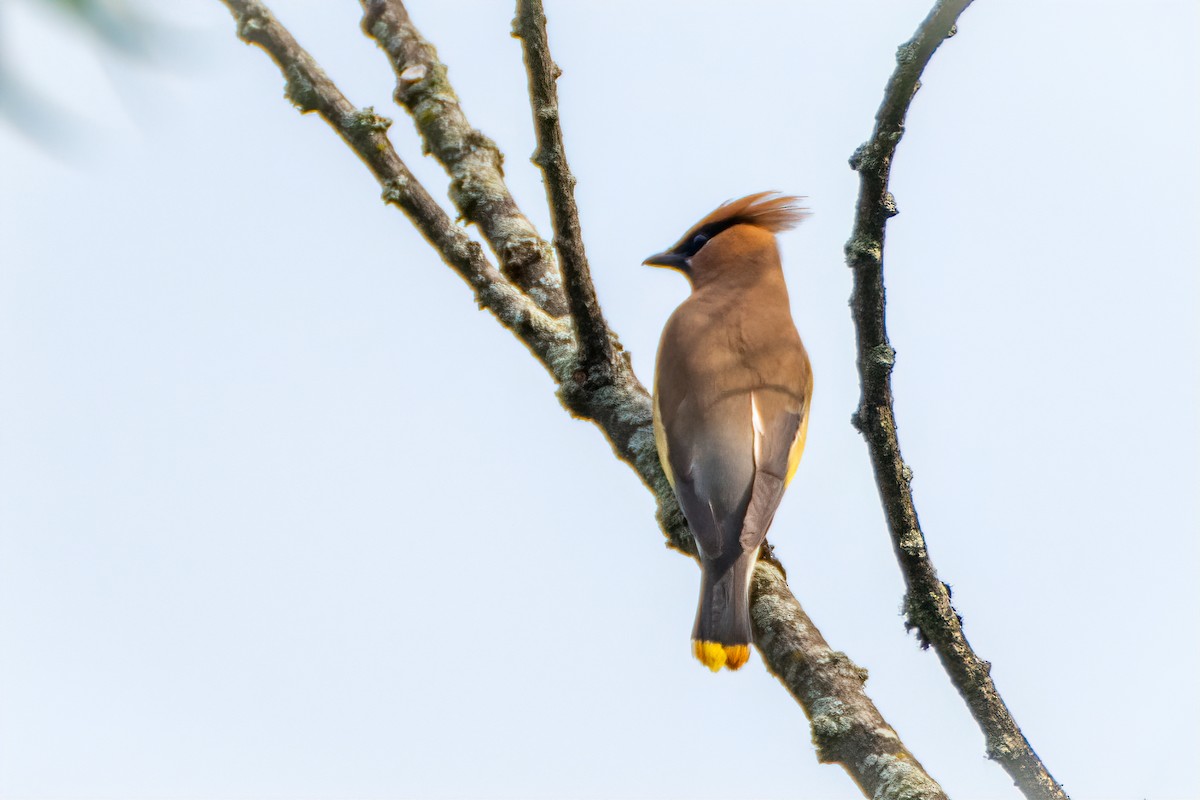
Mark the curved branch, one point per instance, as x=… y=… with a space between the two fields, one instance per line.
x=595 y=343
x=847 y=728
x=927 y=602
x=472 y=160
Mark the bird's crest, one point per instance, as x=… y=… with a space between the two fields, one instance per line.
x=770 y=211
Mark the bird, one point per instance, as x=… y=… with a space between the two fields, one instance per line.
x=732 y=391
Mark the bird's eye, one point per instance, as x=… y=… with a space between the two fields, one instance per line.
x=697 y=242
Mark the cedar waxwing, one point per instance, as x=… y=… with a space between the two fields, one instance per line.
x=732 y=387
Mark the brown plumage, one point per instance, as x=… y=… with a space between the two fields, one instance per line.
x=770 y=211
x=731 y=399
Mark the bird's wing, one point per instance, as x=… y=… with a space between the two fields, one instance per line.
x=780 y=422
x=710 y=451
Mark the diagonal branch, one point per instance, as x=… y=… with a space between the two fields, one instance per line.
x=472 y=160
x=927 y=603
x=595 y=344
x=310 y=89
x=847 y=728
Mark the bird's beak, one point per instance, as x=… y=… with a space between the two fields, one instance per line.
x=667 y=259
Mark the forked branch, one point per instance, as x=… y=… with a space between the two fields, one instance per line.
x=474 y=163
x=310 y=89
x=927 y=602
x=595 y=342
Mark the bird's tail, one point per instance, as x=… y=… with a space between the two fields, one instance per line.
x=721 y=637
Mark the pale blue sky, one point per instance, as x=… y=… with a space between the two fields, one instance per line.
x=264 y=467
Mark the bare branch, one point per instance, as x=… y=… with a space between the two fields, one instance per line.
x=595 y=344
x=310 y=89
x=472 y=160
x=927 y=602
x=847 y=728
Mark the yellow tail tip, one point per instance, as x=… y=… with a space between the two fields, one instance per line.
x=715 y=655
x=736 y=655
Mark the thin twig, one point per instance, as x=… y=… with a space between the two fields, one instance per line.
x=595 y=344
x=927 y=603
x=472 y=160
x=847 y=728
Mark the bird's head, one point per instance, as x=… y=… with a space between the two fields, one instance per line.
x=731 y=235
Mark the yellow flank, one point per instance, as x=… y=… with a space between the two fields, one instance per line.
x=797 y=448
x=660 y=441
x=715 y=655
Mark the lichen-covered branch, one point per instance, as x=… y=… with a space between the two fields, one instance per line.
x=472 y=160
x=847 y=728
x=595 y=343
x=927 y=602
x=310 y=89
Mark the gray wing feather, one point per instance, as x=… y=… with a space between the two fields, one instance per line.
x=775 y=429
x=713 y=462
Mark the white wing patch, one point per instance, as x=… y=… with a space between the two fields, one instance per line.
x=760 y=431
